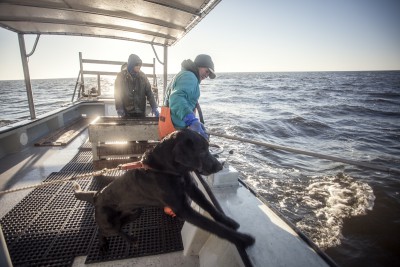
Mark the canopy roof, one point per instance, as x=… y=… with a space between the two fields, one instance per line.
x=158 y=22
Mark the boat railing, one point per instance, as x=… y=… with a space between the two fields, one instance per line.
x=93 y=92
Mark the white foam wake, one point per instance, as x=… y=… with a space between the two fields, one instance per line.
x=332 y=199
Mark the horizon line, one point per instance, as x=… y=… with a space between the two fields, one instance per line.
x=224 y=72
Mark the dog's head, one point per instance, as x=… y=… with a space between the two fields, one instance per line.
x=183 y=151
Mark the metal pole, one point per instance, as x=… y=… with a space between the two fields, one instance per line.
x=312 y=154
x=25 y=67
x=165 y=71
x=82 y=85
x=76 y=84
x=98 y=85
x=154 y=72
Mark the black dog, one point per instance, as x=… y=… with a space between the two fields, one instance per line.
x=166 y=183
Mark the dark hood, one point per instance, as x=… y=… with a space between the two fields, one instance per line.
x=189 y=65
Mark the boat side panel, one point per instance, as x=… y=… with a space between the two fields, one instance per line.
x=277 y=244
x=16 y=137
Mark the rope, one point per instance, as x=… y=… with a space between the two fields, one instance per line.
x=308 y=153
x=96 y=173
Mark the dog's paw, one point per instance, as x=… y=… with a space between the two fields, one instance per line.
x=246 y=240
x=134 y=241
x=103 y=246
x=76 y=186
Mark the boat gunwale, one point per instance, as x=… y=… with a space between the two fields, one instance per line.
x=27 y=122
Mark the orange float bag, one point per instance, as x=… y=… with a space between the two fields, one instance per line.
x=165 y=125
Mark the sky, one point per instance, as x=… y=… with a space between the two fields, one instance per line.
x=241 y=36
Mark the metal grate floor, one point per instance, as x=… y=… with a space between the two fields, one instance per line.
x=50 y=227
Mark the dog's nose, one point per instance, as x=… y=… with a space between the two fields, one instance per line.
x=217 y=166
x=210 y=165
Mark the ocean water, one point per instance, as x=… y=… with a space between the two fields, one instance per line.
x=352 y=213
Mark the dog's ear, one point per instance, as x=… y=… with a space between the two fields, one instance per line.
x=184 y=153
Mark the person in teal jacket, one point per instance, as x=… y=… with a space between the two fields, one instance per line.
x=183 y=92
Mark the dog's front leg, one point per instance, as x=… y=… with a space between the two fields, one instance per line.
x=219 y=229
x=197 y=196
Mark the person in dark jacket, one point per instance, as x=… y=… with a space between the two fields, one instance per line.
x=183 y=93
x=131 y=89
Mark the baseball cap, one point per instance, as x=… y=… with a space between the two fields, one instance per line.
x=205 y=61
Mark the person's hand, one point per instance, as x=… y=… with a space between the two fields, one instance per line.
x=155 y=112
x=199 y=127
x=120 y=112
x=194 y=124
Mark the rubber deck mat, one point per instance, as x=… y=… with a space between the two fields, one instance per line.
x=50 y=227
x=156 y=232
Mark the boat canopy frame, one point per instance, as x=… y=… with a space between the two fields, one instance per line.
x=155 y=22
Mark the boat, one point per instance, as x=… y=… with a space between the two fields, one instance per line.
x=42 y=224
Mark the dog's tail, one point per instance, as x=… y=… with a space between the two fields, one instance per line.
x=81 y=195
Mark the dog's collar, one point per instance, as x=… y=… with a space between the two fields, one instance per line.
x=133 y=165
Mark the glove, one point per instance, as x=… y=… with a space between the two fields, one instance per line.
x=155 y=112
x=194 y=124
x=120 y=112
